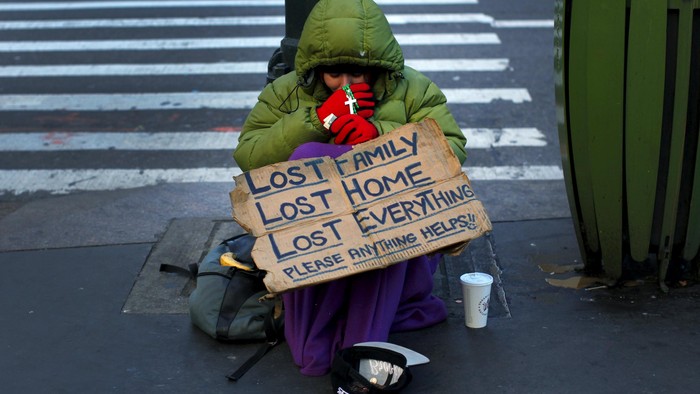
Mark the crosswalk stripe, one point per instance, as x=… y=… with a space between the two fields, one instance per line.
x=74 y=70
x=515 y=173
x=201 y=100
x=447 y=39
x=232 y=42
x=126 y=102
x=59 y=70
x=140 y=45
x=276 y=20
x=83 y=5
x=161 y=141
x=144 y=23
x=485 y=96
x=546 y=23
x=95 y=5
x=69 y=180
x=498 y=138
x=477 y=138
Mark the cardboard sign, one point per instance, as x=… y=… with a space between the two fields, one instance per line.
x=399 y=196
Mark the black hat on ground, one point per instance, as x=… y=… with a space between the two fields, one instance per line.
x=361 y=369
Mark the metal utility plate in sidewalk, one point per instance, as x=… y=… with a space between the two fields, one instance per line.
x=187 y=240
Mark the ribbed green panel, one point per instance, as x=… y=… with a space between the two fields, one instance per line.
x=606 y=64
x=680 y=107
x=579 y=75
x=646 y=50
x=612 y=97
x=560 y=94
x=675 y=4
x=692 y=238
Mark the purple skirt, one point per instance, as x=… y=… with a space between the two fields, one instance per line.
x=322 y=319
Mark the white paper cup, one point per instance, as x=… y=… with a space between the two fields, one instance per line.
x=476 y=292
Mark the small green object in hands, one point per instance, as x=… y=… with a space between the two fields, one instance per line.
x=352 y=102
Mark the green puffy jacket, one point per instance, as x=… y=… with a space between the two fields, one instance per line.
x=340 y=32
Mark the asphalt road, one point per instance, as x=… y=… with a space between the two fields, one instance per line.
x=103 y=96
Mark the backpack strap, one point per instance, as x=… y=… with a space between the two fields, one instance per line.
x=274 y=334
x=190 y=271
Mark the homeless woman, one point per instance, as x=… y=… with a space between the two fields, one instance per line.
x=347 y=50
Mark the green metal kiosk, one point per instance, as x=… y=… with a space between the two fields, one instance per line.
x=627 y=86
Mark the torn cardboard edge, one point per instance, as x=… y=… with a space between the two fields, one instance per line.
x=399 y=196
x=574 y=282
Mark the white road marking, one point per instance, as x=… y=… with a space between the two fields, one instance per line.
x=497 y=138
x=142 y=23
x=90 y=70
x=127 y=102
x=145 y=23
x=233 y=42
x=201 y=100
x=139 y=45
x=515 y=173
x=74 y=141
x=70 y=180
x=477 y=138
x=84 y=5
x=457 y=65
x=518 y=24
x=447 y=39
x=275 y=20
x=485 y=96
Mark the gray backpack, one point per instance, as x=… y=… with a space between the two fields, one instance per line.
x=227 y=303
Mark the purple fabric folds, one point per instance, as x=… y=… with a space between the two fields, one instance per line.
x=318 y=149
x=322 y=319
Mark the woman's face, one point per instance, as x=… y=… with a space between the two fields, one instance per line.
x=336 y=80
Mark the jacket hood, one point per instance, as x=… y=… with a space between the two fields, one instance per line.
x=346 y=32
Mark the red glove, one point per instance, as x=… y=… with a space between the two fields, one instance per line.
x=339 y=104
x=352 y=130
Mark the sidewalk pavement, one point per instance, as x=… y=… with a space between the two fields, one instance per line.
x=84 y=311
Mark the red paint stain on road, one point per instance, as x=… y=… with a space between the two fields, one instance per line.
x=57 y=138
x=226 y=129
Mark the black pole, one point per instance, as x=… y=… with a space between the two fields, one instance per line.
x=282 y=60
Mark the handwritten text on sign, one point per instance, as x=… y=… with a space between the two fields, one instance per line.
x=397 y=197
